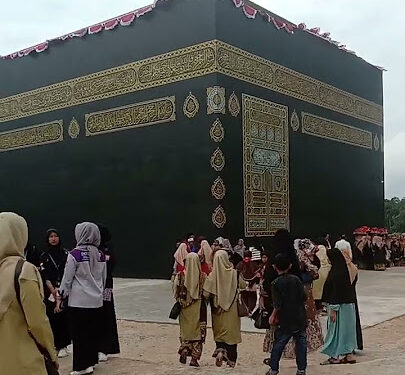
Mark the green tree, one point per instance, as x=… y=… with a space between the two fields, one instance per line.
x=395 y=215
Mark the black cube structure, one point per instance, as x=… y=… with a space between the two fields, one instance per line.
x=211 y=116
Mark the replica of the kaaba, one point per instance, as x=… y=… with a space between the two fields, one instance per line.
x=209 y=116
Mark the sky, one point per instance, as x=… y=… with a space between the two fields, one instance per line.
x=372 y=28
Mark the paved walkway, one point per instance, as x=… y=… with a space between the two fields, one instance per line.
x=381 y=297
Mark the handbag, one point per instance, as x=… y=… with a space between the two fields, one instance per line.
x=262 y=320
x=243 y=310
x=175 y=311
x=49 y=365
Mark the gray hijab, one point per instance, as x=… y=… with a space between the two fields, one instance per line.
x=88 y=239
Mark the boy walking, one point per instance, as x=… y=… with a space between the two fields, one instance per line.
x=289 y=315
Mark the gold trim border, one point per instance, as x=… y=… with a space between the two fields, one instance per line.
x=170 y=118
x=187 y=63
x=57 y=124
x=338 y=126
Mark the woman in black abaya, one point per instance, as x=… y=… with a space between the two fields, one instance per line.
x=109 y=343
x=53 y=261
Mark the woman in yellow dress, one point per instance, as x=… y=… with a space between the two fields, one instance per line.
x=222 y=288
x=188 y=289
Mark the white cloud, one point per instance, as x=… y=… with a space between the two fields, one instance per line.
x=395 y=166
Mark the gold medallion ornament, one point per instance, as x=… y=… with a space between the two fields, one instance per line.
x=216 y=100
x=233 y=105
x=218 y=160
x=217 y=131
x=295 y=121
x=74 y=129
x=382 y=143
x=191 y=106
x=376 y=143
x=218 y=189
x=219 y=217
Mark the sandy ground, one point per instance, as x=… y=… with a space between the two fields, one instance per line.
x=150 y=349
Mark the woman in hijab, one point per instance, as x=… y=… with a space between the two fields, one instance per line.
x=240 y=248
x=181 y=254
x=339 y=294
x=188 y=289
x=109 y=342
x=249 y=271
x=222 y=288
x=206 y=256
x=309 y=266
x=346 y=251
x=53 y=261
x=323 y=272
x=21 y=322
x=84 y=282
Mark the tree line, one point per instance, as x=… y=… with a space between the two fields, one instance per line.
x=395 y=215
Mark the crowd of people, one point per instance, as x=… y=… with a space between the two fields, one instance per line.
x=375 y=249
x=51 y=297
x=55 y=298
x=285 y=289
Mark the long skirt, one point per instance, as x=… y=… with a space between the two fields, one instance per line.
x=59 y=325
x=341 y=337
x=313 y=331
x=85 y=327
x=109 y=342
x=193 y=329
x=359 y=333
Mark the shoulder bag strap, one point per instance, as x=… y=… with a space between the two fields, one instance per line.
x=17 y=273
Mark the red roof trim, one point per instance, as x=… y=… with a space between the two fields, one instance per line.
x=128 y=18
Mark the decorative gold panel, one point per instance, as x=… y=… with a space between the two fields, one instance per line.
x=36 y=135
x=191 y=106
x=219 y=217
x=216 y=101
x=218 y=189
x=376 y=143
x=131 y=116
x=74 y=129
x=233 y=105
x=218 y=160
x=245 y=66
x=336 y=131
x=265 y=166
x=194 y=61
x=186 y=63
x=217 y=131
x=295 y=121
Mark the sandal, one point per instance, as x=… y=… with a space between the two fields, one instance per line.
x=331 y=361
x=266 y=361
x=194 y=363
x=349 y=359
x=219 y=358
x=183 y=357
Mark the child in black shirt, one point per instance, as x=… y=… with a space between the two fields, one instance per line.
x=289 y=314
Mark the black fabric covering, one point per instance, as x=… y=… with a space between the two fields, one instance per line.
x=338 y=288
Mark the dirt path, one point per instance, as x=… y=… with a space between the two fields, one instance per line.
x=150 y=349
